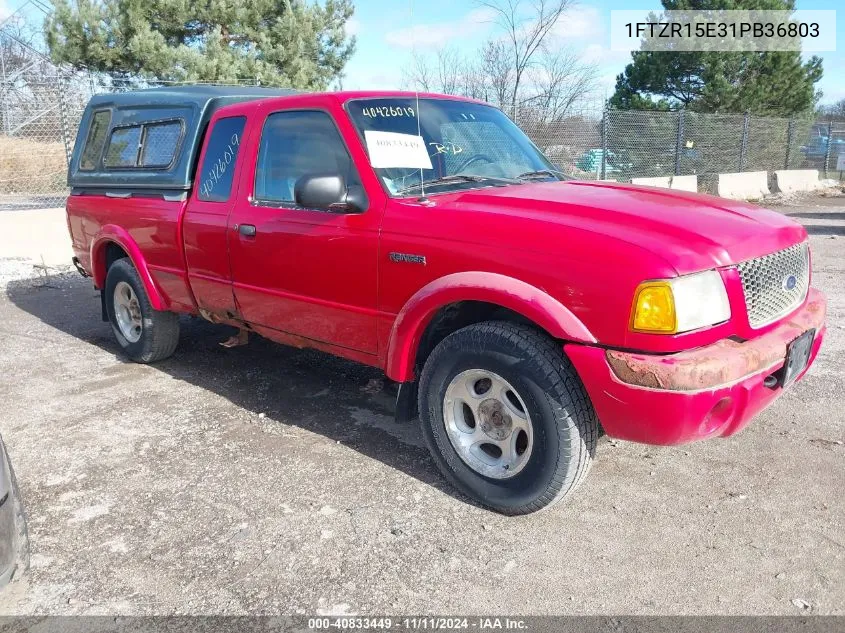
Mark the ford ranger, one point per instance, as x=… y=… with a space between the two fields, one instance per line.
x=522 y=313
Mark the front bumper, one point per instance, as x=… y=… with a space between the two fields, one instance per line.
x=706 y=392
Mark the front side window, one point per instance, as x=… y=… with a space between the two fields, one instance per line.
x=295 y=144
x=218 y=165
x=446 y=144
x=93 y=147
x=123 y=147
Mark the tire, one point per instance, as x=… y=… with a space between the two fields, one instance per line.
x=157 y=332
x=541 y=398
x=21 y=534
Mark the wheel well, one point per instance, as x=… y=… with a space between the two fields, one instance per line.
x=455 y=316
x=112 y=253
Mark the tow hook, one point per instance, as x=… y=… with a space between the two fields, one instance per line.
x=79 y=267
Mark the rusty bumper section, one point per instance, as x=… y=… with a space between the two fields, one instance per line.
x=722 y=363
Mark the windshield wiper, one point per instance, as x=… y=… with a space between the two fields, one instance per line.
x=540 y=173
x=444 y=180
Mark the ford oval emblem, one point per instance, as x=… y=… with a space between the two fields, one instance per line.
x=789 y=282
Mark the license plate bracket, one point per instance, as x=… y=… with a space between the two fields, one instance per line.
x=797 y=357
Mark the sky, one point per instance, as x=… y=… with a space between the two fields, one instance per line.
x=389 y=30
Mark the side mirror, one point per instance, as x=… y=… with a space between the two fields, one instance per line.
x=329 y=192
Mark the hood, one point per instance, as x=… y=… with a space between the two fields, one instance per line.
x=691 y=232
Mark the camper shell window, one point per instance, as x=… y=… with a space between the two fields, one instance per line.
x=149 y=139
x=160 y=144
x=96 y=140
x=144 y=146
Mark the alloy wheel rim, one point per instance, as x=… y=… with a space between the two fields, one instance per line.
x=488 y=423
x=127 y=312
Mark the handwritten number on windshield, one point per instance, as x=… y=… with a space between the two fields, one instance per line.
x=388 y=111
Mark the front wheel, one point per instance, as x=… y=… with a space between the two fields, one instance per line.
x=145 y=335
x=506 y=417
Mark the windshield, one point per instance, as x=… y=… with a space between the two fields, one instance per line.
x=450 y=145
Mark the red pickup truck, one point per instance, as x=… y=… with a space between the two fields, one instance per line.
x=523 y=313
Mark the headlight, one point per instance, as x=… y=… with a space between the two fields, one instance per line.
x=681 y=304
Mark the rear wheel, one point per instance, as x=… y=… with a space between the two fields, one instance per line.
x=506 y=417
x=145 y=335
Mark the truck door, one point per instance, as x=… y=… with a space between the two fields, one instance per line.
x=303 y=271
x=204 y=227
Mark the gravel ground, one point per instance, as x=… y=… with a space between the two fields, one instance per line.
x=271 y=480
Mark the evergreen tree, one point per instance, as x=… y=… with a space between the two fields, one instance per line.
x=292 y=43
x=766 y=83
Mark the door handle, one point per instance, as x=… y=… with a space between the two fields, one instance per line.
x=247 y=230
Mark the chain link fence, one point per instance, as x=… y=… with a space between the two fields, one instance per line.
x=573 y=142
x=41 y=106
x=625 y=144
x=40 y=111
x=36 y=126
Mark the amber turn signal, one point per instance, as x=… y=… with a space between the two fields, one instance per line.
x=654 y=308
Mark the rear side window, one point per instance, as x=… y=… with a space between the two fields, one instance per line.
x=93 y=148
x=218 y=165
x=160 y=143
x=146 y=145
x=123 y=147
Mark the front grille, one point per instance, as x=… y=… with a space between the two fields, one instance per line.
x=766 y=281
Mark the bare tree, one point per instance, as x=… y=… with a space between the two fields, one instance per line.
x=17 y=52
x=560 y=80
x=448 y=70
x=833 y=110
x=442 y=75
x=497 y=67
x=474 y=82
x=525 y=31
x=519 y=69
x=418 y=74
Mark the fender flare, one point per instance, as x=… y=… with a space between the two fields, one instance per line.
x=118 y=235
x=532 y=303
